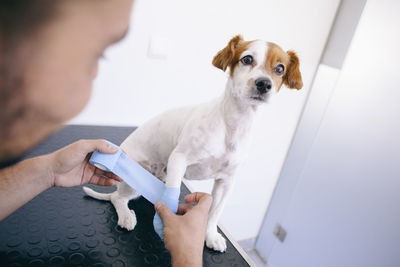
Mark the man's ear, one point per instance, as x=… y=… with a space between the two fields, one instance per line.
x=225 y=57
x=292 y=78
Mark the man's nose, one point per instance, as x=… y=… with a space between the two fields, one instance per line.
x=263 y=85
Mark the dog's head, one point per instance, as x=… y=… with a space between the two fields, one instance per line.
x=258 y=68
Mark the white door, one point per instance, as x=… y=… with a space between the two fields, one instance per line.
x=345 y=209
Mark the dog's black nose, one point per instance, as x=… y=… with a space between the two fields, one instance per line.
x=263 y=85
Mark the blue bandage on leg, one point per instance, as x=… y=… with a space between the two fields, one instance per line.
x=149 y=186
x=171 y=198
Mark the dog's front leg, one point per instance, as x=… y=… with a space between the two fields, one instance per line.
x=176 y=169
x=221 y=190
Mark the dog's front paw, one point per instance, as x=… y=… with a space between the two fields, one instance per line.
x=216 y=241
x=127 y=220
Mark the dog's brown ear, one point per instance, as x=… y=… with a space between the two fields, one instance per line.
x=225 y=57
x=292 y=78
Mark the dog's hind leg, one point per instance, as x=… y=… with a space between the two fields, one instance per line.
x=221 y=190
x=120 y=199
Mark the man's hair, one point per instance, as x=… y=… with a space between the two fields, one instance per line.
x=19 y=20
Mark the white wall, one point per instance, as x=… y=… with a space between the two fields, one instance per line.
x=134 y=84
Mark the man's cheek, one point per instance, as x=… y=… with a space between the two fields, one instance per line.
x=93 y=70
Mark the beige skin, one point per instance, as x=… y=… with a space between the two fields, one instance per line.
x=58 y=64
x=61 y=61
x=184 y=235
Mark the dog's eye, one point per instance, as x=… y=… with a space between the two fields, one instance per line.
x=279 y=69
x=247 y=60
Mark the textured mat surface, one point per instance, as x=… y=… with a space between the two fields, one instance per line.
x=63 y=227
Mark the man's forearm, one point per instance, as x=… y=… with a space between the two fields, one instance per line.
x=185 y=261
x=22 y=182
x=187 y=258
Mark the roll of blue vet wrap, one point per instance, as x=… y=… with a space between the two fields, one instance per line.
x=171 y=198
x=131 y=172
x=106 y=162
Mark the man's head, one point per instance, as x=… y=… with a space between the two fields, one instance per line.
x=49 y=52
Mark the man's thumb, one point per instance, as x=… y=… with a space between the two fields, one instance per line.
x=163 y=210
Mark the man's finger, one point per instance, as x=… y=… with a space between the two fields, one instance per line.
x=196 y=197
x=205 y=203
x=99 y=180
x=164 y=211
x=109 y=175
x=113 y=176
x=183 y=208
x=204 y=200
x=99 y=145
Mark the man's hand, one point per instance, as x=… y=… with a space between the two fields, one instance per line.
x=184 y=235
x=70 y=165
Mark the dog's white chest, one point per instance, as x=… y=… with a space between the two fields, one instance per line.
x=219 y=165
x=211 y=168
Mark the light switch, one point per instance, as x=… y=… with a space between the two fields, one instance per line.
x=158 y=47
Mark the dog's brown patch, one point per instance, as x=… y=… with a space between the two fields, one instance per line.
x=275 y=55
x=291 y=76
x=293 y=79
x=230 y=55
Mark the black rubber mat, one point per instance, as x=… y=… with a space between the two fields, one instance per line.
x=64 y=227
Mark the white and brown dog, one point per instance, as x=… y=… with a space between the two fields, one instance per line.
x=208 y=141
